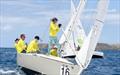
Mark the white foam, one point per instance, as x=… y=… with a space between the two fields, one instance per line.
x=3 y=72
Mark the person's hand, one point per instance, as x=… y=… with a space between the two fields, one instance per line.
x=59 y=25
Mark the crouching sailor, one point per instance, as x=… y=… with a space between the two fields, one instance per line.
x=33 y=46
x=21 y=46
x=53 y=51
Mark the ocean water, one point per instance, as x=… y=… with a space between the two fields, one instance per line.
x=109 y=65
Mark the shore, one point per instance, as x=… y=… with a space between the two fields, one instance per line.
x=105 y=46
x=100 y=46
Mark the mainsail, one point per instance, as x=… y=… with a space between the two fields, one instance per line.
x=85 y=54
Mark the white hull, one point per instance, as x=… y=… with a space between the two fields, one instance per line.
x=49 y=65
x=96 y=54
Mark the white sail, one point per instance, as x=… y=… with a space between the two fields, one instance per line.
x=68 y=46
x=72 y=9
x=78 y=28
x=73 y=19
x=79 y=34
x=69 y=29
x=78 y=31
x=85 y=54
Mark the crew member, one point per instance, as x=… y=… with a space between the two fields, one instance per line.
x=53 y=51
x=16 y=43
x=21 y=46
x=33 y=46
x=53 y=31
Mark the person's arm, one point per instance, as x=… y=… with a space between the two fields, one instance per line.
x=57 y=28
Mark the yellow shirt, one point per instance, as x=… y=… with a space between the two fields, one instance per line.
x=80 y=41
x=21 y=46
x=16 y=47
x=53 y=52
x=33 y=46
x=54 y=29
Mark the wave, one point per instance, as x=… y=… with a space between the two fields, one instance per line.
x=10 y=72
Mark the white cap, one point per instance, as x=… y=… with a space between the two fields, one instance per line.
x=55 y=46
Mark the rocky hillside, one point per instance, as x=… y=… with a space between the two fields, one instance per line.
x=100 y=46
x=104 y=46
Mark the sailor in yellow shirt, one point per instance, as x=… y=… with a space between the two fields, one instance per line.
x=16 y=44
x=53 y=51
x=53 y=31
x=33 y=46
x=80 y=42
x=21 y=46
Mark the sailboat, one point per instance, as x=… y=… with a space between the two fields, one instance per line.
x=50 y=65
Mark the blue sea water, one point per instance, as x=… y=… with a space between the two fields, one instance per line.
x=109 y=65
